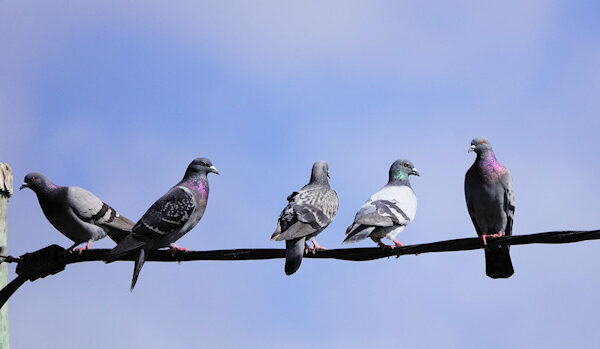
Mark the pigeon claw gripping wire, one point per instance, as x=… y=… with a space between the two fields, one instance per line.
x=484 y=237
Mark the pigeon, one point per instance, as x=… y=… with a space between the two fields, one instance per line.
x=169 y=218
x=388 y=211
x=491 y=205
x=77 y=213
x=309 y=211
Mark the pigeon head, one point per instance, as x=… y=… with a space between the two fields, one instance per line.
x=320 y=173
x=480 y=145
x=401 y=169
x=36 y=182
x=200 y=166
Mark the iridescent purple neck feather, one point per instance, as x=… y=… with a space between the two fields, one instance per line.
x=488 y=166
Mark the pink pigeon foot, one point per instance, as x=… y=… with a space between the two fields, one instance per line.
x=174 y=249
x=317 y=246
x=485 y=236
x=308 y=249
x=81 y=249
x=397 y=243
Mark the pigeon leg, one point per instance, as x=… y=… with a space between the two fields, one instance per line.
x=382 y=245
x=308 y=249
x=317 y=246
x=174 y=249
x=485 y=236
x=396 y=243
x=80 y=249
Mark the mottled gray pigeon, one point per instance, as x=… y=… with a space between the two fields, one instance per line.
x=491 y=204
x=389 y=210
x=309 y=211
x=77 y=213
x=169 y=218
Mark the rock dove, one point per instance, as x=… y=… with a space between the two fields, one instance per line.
x=309 y=211
x=389 y=210
x=77 y=213
x=169 y=218
x=491 y=204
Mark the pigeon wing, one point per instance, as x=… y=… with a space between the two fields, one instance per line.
x=308 y=211
x=509 y=201
x=167 y=215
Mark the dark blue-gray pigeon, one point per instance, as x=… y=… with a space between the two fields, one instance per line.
x=309 y=211
x=77 y=213
x=388 y=211
x=169 y=218
x=491 y=204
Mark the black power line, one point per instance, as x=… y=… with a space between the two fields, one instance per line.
x=53 y=259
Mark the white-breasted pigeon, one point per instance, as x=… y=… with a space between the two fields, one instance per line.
x=389 y=210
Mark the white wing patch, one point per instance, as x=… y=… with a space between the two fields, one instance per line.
x=404 y=197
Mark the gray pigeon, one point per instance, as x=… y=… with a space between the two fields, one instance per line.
x=491 y=204
x=389 y=210
x=169 y=218
x=309 y=211
x=77 y=213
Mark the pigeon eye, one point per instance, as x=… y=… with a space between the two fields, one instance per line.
x=482 y=142
x=202 y=164
x=32 y=179
x=405 y=165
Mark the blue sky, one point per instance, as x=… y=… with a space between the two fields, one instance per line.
x=119 y=97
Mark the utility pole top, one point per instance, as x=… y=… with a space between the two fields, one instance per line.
x=6 y=180
x=6 y=190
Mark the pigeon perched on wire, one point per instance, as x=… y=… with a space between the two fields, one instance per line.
x=389 y=210
x=77 y=213
x=309 y=211
x=491 y=205
x=169 y=218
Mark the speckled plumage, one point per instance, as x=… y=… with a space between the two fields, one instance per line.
x=490 y=201
x=309 y=211
x=169 y=218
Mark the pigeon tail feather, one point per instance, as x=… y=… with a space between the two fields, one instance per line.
x=359 y=232
x=294 y=250
x=126 y=246
x=119 y=228
x=139 y=262
x=498 y=264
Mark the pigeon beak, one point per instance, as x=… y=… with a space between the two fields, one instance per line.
x=214 y=170
x=328 y=176
x=472 y=148
x=24 y=185
x=415 y=172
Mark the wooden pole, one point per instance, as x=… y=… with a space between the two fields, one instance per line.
x=6 y=190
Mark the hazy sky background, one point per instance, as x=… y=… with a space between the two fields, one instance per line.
x=118 y=97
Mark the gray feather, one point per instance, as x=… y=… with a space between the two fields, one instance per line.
x=169 y=218
x=309 y=211
x=77 y=213
x=491 y=205
x=387 y=211
x=294 y=250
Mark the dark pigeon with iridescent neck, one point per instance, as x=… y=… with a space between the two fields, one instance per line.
x=491 y=204
x=309 y=211
x=77 y=213
x=169 y=218
x=388 y=211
